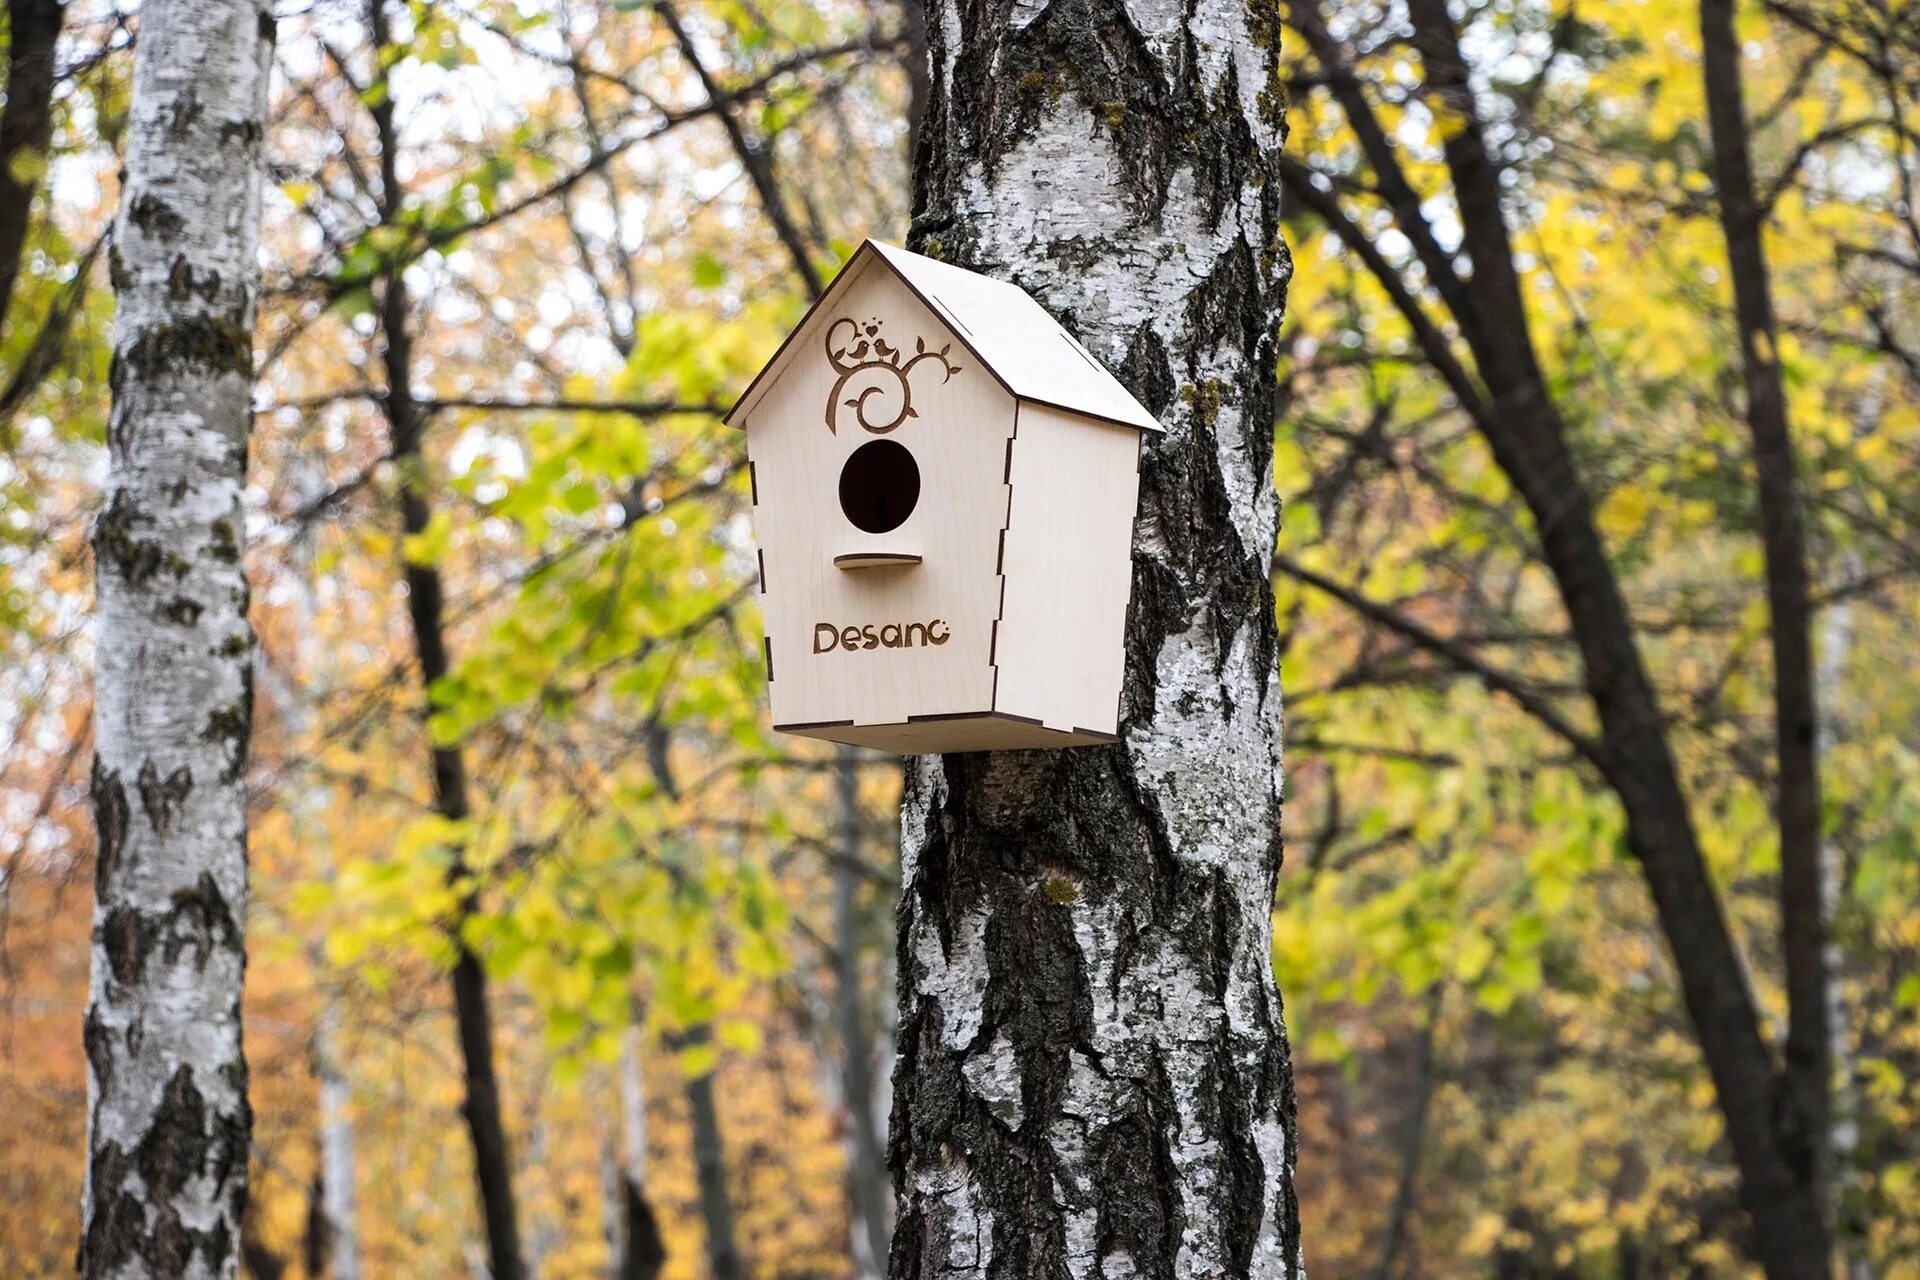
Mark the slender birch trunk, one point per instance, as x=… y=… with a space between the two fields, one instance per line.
x=613 y=1227
x=1093 y=1075
x=1851 y=1227
x=642 y=1250
x=633 y=1108
x=168 y=1121
x=337 y=1189
x=337 y=1247
x=867 y=1192
x=544 y=1234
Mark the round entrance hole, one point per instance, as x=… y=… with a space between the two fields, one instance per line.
x=879 y=486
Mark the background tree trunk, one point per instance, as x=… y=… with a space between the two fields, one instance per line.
x=642 y=1249
x=543 y=1236
x=1512 y=407
x=1807 y=1075
x=1413 y=1143
x=334 y=1246
x=710 y=1169
x=426 y=611
x=867 y=1197
x=168 y=1123
x=336 y=1146
x=1093 y=1074
x=26 y=123
x=1852 y=1223
x=913 y=60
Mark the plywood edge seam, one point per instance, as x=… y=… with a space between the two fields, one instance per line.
x=1000 y=568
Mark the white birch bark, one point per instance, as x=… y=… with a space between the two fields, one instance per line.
x=613 y=1227
x=168 y=1121
x=1836 y=639
x=545 y=1235
x=1093 y=1075
x=641 y=1252
x=309 y=802
x=633 y=1108
x=868 y=1201
x=336 y=1146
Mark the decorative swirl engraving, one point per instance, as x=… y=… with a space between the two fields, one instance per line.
x=869 y=366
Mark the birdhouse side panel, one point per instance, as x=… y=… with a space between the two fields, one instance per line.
x=1069 y=570
x=879 y=459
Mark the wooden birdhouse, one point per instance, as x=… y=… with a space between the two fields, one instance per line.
x=944 y=484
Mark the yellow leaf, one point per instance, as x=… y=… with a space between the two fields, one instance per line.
x=697 y=1060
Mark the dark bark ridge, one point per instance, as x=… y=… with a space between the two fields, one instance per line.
x=1093 y=1071
x=143 y=1228
x=134 y=1221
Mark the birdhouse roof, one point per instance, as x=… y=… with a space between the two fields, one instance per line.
x=1013 y=337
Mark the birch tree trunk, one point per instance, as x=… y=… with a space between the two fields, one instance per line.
x=168 y=1120
x=866 y=1154
x=1853 y=1226
x=336 y=1251
x=337 y=1188
x=544 y=1235
x=1093 y=1075
x=642 y=1252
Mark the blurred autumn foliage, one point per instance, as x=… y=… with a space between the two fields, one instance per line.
x=597 y=218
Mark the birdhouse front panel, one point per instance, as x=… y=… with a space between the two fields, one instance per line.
x=879 y=463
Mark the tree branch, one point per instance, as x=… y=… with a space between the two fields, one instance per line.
x=1453 y=654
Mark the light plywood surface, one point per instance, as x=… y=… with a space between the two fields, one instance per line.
x=974 y=733
x=958 y=438
x=1069 y=569
x=875 y=560
x=811 y=325
x=1023 y=347
x=1031 y=353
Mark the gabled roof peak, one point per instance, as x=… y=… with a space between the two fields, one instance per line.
x=1024 y=348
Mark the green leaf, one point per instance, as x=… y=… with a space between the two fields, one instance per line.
x=709 y=272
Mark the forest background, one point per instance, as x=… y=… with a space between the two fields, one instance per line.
x=597 y=219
